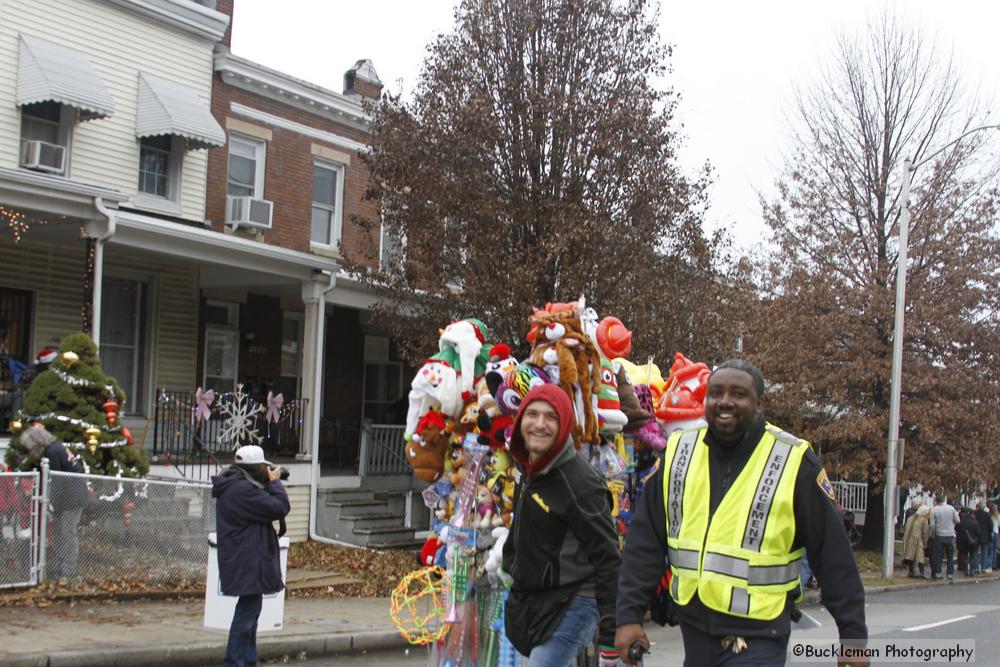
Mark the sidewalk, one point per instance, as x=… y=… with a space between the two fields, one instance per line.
x=171 y=633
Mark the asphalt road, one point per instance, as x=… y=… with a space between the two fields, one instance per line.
x=946 y=612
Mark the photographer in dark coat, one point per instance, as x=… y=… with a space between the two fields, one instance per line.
x=249 y=497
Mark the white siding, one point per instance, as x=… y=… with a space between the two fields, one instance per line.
x=297 y=521
x=55 y=274
x=120 y=44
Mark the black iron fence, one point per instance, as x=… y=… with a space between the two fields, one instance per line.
x=192 y=432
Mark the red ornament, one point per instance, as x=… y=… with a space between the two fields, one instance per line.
x=128 y=436
x=111 y=407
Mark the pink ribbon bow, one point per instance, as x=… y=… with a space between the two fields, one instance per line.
x=203 y=403
x=274 y=404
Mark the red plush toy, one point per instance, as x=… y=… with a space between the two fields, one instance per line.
x=430 y=549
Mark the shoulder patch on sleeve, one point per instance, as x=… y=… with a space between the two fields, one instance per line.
x=824 y=484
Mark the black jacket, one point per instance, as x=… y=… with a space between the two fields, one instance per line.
x=562 y=543
x=249 y=560
x=818 y=527
x=66 y=493
x=967 y=532
x=985 y=526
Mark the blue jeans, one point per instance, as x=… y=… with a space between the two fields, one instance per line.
x=942 y=546
x=574 y=632
x=241 y=651
x=988 y=551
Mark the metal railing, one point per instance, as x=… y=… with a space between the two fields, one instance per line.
x=193 y=444
x=853 y=496
x=382 y=450
x=99 y=528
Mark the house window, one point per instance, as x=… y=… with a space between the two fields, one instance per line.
x=222 y=346
x=154 y=165
x=328 y=189
x=246 y=167
x=46 y=122
x=383 y=393
x=291 y=345
x=392 y=248
x=123 y=337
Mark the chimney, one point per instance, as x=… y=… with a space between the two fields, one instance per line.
x=362 y=79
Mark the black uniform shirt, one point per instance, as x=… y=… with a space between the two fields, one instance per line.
x=818 y=527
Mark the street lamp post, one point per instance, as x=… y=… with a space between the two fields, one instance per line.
x=890 y=494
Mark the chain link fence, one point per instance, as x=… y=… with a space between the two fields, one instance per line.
x=20 y=501
x=97 y=528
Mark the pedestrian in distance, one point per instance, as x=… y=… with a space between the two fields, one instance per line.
x=249 y=497
x=994 y=535
x=562 y=550
x=916 y=535
x=733 y=507
x=67 y=496
x=967 y=541
x=944 y=518
x=986 y=547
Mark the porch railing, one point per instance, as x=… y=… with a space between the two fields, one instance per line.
x=194 y=443
x=853 y=496
x=382 y=450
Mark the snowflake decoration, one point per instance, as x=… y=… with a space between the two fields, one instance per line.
x=240 y=414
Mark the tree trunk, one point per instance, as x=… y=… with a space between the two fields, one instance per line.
x=871 y=537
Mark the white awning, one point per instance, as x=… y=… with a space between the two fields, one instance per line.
x=166 y=107
x=49 y=72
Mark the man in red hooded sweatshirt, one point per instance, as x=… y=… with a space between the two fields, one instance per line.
x=562 y=551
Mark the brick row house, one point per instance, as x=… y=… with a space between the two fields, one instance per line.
x=195 y=211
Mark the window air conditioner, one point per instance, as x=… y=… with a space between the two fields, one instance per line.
x=44 y=156
x=249 y=212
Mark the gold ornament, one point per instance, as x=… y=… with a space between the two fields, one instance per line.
x=16 y=426
x=70 y=359
x=92 y=434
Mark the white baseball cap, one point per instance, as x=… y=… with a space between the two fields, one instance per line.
x=251 y=454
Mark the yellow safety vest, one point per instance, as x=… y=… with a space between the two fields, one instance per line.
x=742 y=563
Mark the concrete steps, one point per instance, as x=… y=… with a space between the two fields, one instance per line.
x=372 y=519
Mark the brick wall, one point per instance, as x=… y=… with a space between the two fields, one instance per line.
x=288 y=175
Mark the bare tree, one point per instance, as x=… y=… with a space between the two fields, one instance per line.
x=825 y=333
x=536 y=162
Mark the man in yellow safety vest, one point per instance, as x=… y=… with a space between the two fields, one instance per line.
x=733 y=507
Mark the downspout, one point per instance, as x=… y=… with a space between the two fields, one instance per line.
x=95 y=303
x=314 y=417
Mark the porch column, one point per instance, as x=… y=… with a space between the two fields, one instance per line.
x=314 y=336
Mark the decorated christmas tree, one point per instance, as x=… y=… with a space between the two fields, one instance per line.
x=79 y=404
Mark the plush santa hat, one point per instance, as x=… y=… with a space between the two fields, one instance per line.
x=46 y=356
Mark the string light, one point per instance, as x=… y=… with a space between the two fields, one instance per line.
x=18 y=221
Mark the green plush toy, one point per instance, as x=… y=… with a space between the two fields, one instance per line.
x=79 y=405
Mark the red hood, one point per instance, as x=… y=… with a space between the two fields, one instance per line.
x=556 y=397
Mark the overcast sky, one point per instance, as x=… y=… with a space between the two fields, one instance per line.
x=735 y=64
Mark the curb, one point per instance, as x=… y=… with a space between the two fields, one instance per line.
x=205 y=653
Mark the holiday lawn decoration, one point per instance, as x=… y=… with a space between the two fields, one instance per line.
x=79 y=404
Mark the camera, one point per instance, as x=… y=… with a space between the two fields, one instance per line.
x=284 y=473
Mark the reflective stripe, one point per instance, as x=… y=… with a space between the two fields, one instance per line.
x=754 y=575
x=740 y=602
x=775 y=574
x=783 y=436
x=673 y=586
x=734 y=567
x=686 y=558
x=762 y=499
x=678 y=473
